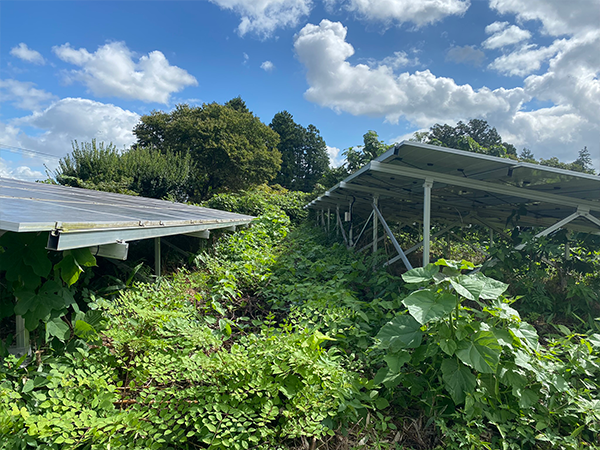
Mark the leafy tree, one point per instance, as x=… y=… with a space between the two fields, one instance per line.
x=527 y=155
x=140 y=171
x=303 y=153
x=230 y=146
x=475 y=136
x=357 y=157
x=583 y=163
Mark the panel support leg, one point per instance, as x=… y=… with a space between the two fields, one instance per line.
x=375 y=224
x=386 y=227
x=341 y=227
x=426 y=219
x=328 y=220
x=21 y=338
x=157 y=257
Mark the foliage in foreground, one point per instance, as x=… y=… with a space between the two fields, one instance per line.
x=280 y=337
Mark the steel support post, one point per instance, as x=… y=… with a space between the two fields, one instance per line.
x=426 y=219
x=554 y=227
x=341 y=227
x=337 y=222
x=386 y=227
x=157 y=256
x=21 y=337
x=350 y=241
x=328 y=220
x=363 y=229
x=375 y=224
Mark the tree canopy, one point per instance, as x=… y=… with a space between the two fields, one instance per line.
x=230 y=147
x=139 y=171
x=474 y=136
x=304 y=157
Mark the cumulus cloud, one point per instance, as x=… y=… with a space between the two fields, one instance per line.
x=502 y=35
x=335 y=156
x=263 y=17
x=557 y=17
x=267 y=66
x=23 y=94
x=114 y=71
x=52 y=130
x=418 y=12
x=23 y=52
x=570 y=85
x=467 y=54
x=25 y=173
x=422 y=98
x=398 y=60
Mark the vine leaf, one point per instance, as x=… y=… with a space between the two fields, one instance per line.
x=526 y=333
x=458 y=379
x=421 y=274
x=481 y=352
x=57 y=328
x=72 y=264
x=478 y=286
x=426 y=306
x=401 y=332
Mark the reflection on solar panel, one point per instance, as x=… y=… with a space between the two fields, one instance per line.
x=466 y=187
x=84 y=218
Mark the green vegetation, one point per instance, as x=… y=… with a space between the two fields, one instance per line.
x=304 y=157
x=279 y=337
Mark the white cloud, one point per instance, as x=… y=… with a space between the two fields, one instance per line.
x=267 y=66
x=23 y=52
x=525 y=60
x=246 y=58
x=263 y=17
x=558 y=17
x=25 y=173
x=112 y=72
x=419 y=12
x=23 y=94
x=67 y=120
x=465 y=55
x=570 y=85
x=359 y=89
x=398 y=60
x=503 y=35
x=335 y=156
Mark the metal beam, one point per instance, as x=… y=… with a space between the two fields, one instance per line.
x=157 y=256
x=426 y=219
x=363 y=229
x=375 y=225
x=340 y=225
x=405 y=260
x=79 y=239
x=204 y=234
x=483 y=186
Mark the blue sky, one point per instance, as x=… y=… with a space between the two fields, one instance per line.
x=77 y=70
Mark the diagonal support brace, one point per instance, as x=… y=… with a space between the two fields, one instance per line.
x=386 y=227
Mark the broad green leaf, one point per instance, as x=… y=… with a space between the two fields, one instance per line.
x=69 y=269
x=420 y=274
x=456 y=265
x=458 y=379
x=478 y=286
x=84 y=257
x=381 y=403
x=526 y=333
x=57 y=328
x=527 y=398
x=401 y=332
x=448 y=346
x=425 y=305
x=84 y=330
x=481 y=352
x=395 y=361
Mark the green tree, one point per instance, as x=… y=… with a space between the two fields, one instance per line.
x=357 y=157
x=475 y=136
x=527 y=155
x=139 y=171
x=304 y=157
x=583 y=163
x=230 y=147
